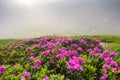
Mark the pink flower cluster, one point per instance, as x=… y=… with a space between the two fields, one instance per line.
x=72 y=53
x=116 y=69
x=46 y=78
x=83 y=41
x=80 y=49
x=63 y=53
x=74 y=45
x=96 y=51
x=28 y=48
x=108 y=54
x=46 y=52
x=110 y=63
x=25 y=76
x=75 y=64
x=105 y=70
x=97 y=40
x=32 y=56
x=2 y=69
x=37 y=63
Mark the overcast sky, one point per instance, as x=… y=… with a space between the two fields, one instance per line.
x=28 y=18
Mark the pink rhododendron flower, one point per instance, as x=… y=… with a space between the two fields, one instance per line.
x=90 y=50
x=63 y=49
x=46 y=78
x=78 y=67
x=97 y=40
x=57 y=43
x=105 y=55
x=63 y=53
x=32 y=56
x=27 y=74
x=80 y=49
x=83 y=41
x=70 y=40
x=82 y=60
x=45 y=52
x=93 y=52
x=104 y=77
x=37 y=63
x=105 y=66
x=116 y=69
x=113 y=63
x=28 y=48
x=108 y=54
x=74 y=45
x=2 y=69
x=74 y=64
x=96 y=49
x=72 y=53
x=108 y=59
x=113 y=53
x=50 y=45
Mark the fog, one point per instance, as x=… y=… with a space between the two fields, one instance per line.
x=30 y=18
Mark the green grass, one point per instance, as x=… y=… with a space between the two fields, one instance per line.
x=103 y=38
x=5 y=42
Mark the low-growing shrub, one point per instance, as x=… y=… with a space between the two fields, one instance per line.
x=58 y=58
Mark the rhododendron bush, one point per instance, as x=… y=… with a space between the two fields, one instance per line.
x=58 y=58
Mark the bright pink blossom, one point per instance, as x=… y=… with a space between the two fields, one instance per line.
x=27 y=74
x=46 y=78
x=104 y=77
x=105 y=66
x=70 y=40
x=72 y=53
x=28 y=48
x=74 y=64
x=2 y=69
x=116 y=69
x=74 y=45
x=44 y=53
x=32 y=56
x=83 y=41
x=97 y=40
x=80 y=49
x=37 y=63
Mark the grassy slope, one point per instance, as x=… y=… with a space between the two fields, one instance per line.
x=5 y=42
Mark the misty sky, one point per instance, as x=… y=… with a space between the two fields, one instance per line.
x=28 y=18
